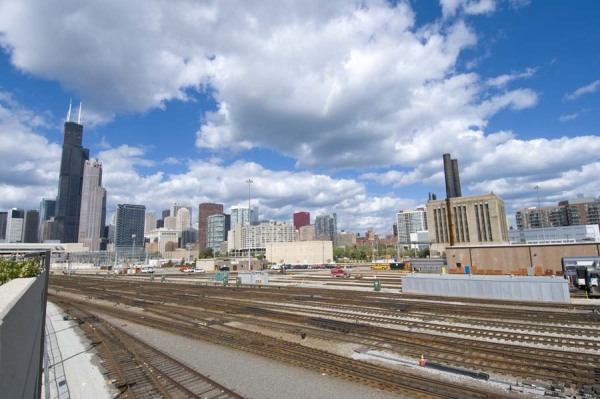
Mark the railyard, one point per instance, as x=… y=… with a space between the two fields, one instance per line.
x=378 y=339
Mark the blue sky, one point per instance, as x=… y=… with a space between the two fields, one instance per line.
x=342 y=106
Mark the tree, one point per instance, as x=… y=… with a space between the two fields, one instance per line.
x=423 y=253
x=206 y=253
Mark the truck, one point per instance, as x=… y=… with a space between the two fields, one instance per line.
x=339 y=271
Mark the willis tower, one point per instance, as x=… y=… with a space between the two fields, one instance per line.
x=68 y=202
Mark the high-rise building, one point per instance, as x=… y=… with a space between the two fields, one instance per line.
x=301 y=219
x=166 y=213
x=579 y=211
x=183 y=219
x=326 y=226
x=538 y=218
x=47 y=211
x=451 y=177
x=150 y=222
x=204 y=211
x=93 y=206
x=3 y=220
x=410 y=221
x=582 y=210
x=48 y=230
x=253 y=237
x=130 y=228
x=170 y=223
x=307 y=233
x=176 y=207
x=478 y=219
x=216 y=231
x=14 y=225
x=189 y=238
x=70 y=180
x=240 y=215
x=31 y=225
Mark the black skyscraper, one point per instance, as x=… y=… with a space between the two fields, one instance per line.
x=68 y=201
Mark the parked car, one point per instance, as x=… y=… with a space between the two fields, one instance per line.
x=275 y=267
x=183 y=268
x=198 y=270
x=379 y=266
x=186 y=269
x=341 y=272
x=147 y=269
x=224 y=268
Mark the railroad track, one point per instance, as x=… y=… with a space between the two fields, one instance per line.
x=141 y=371
x=358 y=317
x=405 y=383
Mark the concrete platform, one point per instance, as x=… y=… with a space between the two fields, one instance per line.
x=73 y=368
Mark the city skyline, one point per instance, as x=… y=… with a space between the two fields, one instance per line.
x=339 y=109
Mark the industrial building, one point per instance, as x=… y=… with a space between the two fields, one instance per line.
x=300 y=253
x=513 y=259
x=478 y=219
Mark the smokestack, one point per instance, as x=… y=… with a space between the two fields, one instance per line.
x=449 y=176
x=456 y=179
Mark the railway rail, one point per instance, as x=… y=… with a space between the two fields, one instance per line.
x=558 y=346
x=140 y=370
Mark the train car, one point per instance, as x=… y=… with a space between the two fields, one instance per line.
x=583 y=273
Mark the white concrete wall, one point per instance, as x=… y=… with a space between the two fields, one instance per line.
x=21 y=336
x=517 y=288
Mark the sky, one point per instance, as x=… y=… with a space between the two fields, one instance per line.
x=327 y=106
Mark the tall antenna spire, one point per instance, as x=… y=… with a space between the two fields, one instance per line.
x=69 y=113
x=79 y=117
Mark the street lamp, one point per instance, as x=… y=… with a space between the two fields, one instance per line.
x=541 y=219
x=249 y=181
x=132 y=247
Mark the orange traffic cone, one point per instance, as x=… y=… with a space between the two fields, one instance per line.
x=422 y=362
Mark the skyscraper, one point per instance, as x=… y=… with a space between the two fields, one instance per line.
x=204 y=211
x=150 y=222
x=240 y=215
x=47 y=211
x=183 y=219
x=176 y=207
x=410 y=222
x=326 y=226
x=31 y=225
x=14 y=225
x=3 y=220
x=70 y=180
x=130 y=228
x=93 y=206
x=218 y=226
x=301 y=219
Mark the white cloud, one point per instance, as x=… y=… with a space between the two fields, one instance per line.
x=568 y=117
x=332 y=85
x=29 y=164
x=587 y=89
x=503 y=80
x=470 y=7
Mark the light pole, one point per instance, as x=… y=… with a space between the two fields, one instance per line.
x=541 y=219
x=249 y=181
x=132 y=247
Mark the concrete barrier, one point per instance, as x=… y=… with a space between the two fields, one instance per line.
x=22 y=305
